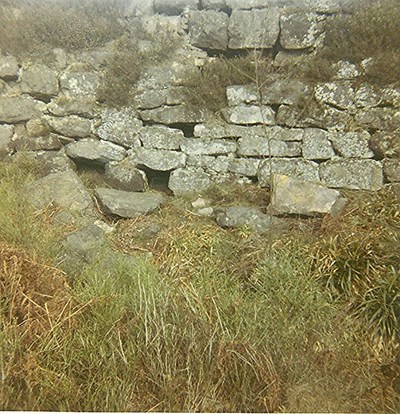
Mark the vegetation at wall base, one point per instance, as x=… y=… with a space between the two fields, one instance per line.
x=216 y=320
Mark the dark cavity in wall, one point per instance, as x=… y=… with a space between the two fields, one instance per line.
x=187 y=129
x=158 y=180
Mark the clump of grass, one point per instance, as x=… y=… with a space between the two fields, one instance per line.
x=371 y=31
x=69 y=24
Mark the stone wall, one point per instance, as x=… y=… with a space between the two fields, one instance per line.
x=347 y=138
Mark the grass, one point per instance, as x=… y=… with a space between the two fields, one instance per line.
x=39 y=27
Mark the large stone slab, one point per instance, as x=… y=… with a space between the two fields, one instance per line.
x=127 y=204
x=352 y=144
x=257 y=146
x=158 y=160
x=120 y=126
x=209 y=29
x=125 y=176
x=8 y=67
x=378 y=118
x=198 y=146
x=39 y=81
x=161 y=137
x=244 y=166
x=63 y=189
x=70 y=126
x=93 y=151
x=18 y=109
x=317 y=145
x=65 y=106
x=339 y=95
x=352 y=174
x=292 y=167
x=80 y=83
x=386 y=144
x=209 y=163
x=294 y=196
x=189 y=180
x=391 y=169
x=249 y=29
x=300 y=30
x=250 y=115
x=174 y=7
x=235 y=217
x=170 y=115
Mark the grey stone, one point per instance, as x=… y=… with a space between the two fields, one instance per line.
x=294 y=196
x=65 y=105
x=209 y=29
x=26 y=143
x=213 y=4
x=161 y=137
x=37 y=128
x=174 y=7
x=242 y=94
x=378 y=118
x=316 y=145
x=39 y=81
x=209 y=163
x=339 y=95
x=158 y=160
x=391 y=169
x=198 y=146
x=93 y=151
x=154 y=98
x=386 y=144
x=53 y=162
x=71 y=126
x=80 y=83
x=264 y=146
x=250 y=115
x=352 y=174
x=6 y=133
x=235 y=217
x=300 y=30
x=189 y=180
x=285 y=92
x=352 y=144
x=124 y=176
x=205 y=212
x=249 y=29
x=249 y=4
x=19 y=109
x=244 y=166
x=121 y=127
x=63 y=189
x=127 y=204
x=169 y=115
x=345 y=70
x=367 y=97
x=292 y=167
x=8 y=67
x=391 y=96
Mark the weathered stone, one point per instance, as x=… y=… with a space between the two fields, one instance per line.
x=242 y=94
x=386 y=144
x=249 y=29
x=6 y=133
x=63 y=189
x=292 y=167
x=65 y=105
x=71 y=126
x=94 y=151
x=53 y=162
x=154 y=98
x=352 y=144
x=352 y=174
x=124 y=176
x=161 y=137
x=19 y=109
x=234 y=217
x=127 y=204
x=316 y=145
x=188 y=180
x=250 y=115
x=300 y=30
x=379 y=118
x=174 y=7
x=256 y=146
x=345 y=70
x=339 y=95
x=213 y=4
x=294 y=196
x=48 y=143
x=209 y=29
x=37 y=128
x=391 y=96
x=158 y=160
x=244 y=166
x=248 y=4
x=198 y=146
x=121 y=127
x=170 y=115
x=209 y=163
x=8 y=67
x=367 y=97
x=80 y=84
x=391 y=169
x=39 y=81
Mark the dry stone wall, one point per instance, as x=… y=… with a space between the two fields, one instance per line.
x=348 y=138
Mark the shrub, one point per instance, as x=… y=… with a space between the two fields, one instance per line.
x=38 y=27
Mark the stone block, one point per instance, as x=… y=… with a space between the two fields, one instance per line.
x=125 y=176
x=257 y=146
x=250 y=115
x=8 y=67
x=198 y=146
x=70 y=126
x=161 y=137
x=158 y=160
x=189 y=181
x=244 y=166
x=170 y=115
x=40 y=81
x=14 y=110
x=351 y=144
x=316 y=145
x=391 y=169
